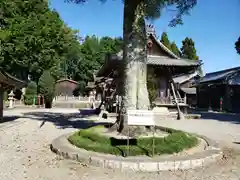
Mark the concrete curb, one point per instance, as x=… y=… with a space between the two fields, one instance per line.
x=62 y=147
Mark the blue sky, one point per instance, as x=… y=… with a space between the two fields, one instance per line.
x=213 y=25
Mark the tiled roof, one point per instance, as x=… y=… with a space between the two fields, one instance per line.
x=189 y=90
x=90 y=86
x=217 y=76
x=114 y=60
x=69 y=80
x=166 y=61
x=164 y=47
x=183 y=78
x=11 y=80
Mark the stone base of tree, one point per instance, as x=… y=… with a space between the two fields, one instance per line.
x=62 y=147
x=48 y=104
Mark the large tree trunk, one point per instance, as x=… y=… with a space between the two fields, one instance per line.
x=133 y=73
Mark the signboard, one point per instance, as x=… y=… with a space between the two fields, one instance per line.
x=140 y=118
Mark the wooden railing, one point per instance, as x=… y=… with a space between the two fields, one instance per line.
x=179 y=100
x=163 y=100
x=169 y=100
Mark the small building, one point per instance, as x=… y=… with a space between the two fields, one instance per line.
x=65 y=87
x=220 y=91
x=8 y=82
x=186 y=84
x=165 y=65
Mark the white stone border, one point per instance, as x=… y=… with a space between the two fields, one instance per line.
x=62 y=147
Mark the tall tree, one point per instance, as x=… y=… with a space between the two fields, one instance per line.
x=175 y=49
x=46 y=87
x=188 y=49
x=237 y=45
x=91 y=57
x=134 y=93
x=165 y=40
x=33 y=38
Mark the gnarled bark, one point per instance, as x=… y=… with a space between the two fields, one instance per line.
x=133 y=73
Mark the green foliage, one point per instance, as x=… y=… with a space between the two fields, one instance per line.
x=170 y=45
x=30 y=99
x=237 y=45
x=46 y=86
x=33 y=38
x=5 y=95
x=153 y=9
x=165 y=40
x=188 y=49
x=30 y=94
x=31 y=88
x=151 y=84
x=175 y=49
x=92 y=140
x=92 y=55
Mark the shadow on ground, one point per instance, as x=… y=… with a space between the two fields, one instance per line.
x=9 y=119
x=69 y=120
x=225 y=117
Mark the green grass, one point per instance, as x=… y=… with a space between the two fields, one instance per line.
x=91 y=140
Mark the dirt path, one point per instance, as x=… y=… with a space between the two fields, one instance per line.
x=25 y=154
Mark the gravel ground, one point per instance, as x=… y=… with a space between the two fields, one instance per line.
x=25 y=154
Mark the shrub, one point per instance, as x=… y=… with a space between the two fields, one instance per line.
x=30 y=93
x=93 y=141
x=5 y=96
x=46 y=87
x=151 y=85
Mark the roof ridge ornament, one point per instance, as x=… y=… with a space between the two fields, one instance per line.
x=151 y=30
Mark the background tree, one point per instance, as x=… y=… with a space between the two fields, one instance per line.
x=188 y=49
x=31 y=93
x=33 y=38
x=46 y=87
x=92 y=56
x=175 y=49
x=151 y=84
x=237 y=45
x=165 y=40
x=134 y=70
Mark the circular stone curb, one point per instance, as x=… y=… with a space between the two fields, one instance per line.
x=63 y=147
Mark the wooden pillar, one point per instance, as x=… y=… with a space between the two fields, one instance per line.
x=185 y=98
x=180 y=116
x=1 y=103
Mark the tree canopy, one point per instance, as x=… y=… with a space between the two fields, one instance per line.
x=153 y=9
x=175 y=49
x=33 y=38
x=165 y=40
x=91 y=56
x=188 y=49
x=237 y=45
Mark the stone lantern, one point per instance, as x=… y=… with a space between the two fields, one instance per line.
x=11 y=99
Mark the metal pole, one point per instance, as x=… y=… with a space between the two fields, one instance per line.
x=128 y=142
x=34 y=100
x=153 y=145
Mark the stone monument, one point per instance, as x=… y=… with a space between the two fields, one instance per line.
x=11 y=99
